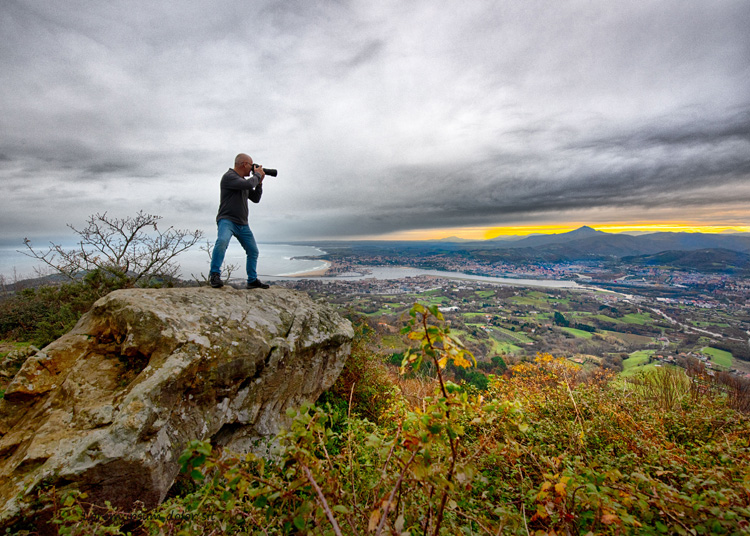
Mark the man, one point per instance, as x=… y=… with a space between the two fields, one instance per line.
x=232 y=218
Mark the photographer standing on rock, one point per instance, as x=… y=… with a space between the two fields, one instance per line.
x=232 y=217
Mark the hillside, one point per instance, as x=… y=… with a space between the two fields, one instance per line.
x=702 y=260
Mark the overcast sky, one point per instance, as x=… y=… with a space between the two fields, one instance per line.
x=383 y=117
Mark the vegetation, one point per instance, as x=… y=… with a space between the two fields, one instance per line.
x=719 y=357
x=549 y=448
x=112 y=253
x=130 y=249
x=41 y=315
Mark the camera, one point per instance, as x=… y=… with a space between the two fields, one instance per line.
x=267 y=171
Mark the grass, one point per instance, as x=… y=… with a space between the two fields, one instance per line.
x=537 y=299
x=721 y=358
x=517 y=335
x=501 y=347
x=606 y=318
x=637 y=318
x=474 y=316
x=638 y=361
x=392 y=341
x=631 y=338
x=710 y=324
x=579 y=333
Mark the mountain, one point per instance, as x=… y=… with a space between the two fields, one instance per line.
x=588 y=243
x=693 y=241
x=451 y=239
x=702 y=260
x=540 y=240
x=583 y=243
x=512 y=238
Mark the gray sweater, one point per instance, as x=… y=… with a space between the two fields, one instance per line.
x=235 y=191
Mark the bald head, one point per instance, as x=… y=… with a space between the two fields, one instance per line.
x=241 y=159
x=243 y=165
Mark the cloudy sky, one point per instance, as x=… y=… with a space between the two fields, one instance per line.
x=394 y=118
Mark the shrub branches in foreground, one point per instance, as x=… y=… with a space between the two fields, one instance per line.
x=132 y=249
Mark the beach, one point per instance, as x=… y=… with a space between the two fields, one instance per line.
x=312 y=273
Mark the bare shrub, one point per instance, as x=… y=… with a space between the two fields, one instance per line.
x=124 y=248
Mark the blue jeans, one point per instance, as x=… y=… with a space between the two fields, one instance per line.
x=227 y=229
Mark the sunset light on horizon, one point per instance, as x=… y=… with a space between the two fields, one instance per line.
x=488 y=233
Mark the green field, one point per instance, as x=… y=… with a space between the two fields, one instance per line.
x=637 y=318
x=638 y=361
x=710 y=324
x=472 y=317
x=516 y=335
x=631 y=338
x=578 y=333
x=502 y=347
x=719 y=357
x=606 y=318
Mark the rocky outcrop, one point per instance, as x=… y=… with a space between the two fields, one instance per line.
x=109 y=407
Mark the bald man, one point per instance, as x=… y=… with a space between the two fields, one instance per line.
x=231 y=220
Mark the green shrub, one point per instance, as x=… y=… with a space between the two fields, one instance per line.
x=44 y=314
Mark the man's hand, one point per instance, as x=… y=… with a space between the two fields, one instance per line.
x=258 y=170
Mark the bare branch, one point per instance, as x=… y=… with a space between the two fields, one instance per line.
x=321 y=499
x=130 y=248
x=227 y=269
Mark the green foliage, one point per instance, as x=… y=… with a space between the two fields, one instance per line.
x=474 y=378
x=363 y=384
x=44 y=314
x=560 y=319
x=436 y=343
x=548 y=449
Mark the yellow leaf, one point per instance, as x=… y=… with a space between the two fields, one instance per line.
x=609 y=519
x=399 y=525
x=374 y=520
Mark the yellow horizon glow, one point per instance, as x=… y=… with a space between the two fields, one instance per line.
x=487 y=233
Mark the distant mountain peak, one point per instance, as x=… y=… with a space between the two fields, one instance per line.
x=585 y=229
x=450 y=239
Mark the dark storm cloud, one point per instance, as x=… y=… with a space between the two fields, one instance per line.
x=381 y=116
x=656 y=166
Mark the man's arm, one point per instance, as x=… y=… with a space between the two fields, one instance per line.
x=232 y=181
x=255 y=194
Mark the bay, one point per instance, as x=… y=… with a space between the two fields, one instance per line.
x=401 y=272
x=274 y=260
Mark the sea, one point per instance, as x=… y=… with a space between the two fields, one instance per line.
x=276 y=261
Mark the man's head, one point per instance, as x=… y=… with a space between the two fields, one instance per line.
x=243 y=165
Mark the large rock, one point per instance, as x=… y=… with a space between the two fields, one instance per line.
x=109 y=407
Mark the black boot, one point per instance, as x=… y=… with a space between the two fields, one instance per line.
x=215 y=280
x=257 y=284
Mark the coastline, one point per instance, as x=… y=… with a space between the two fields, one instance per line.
x=320 y=272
